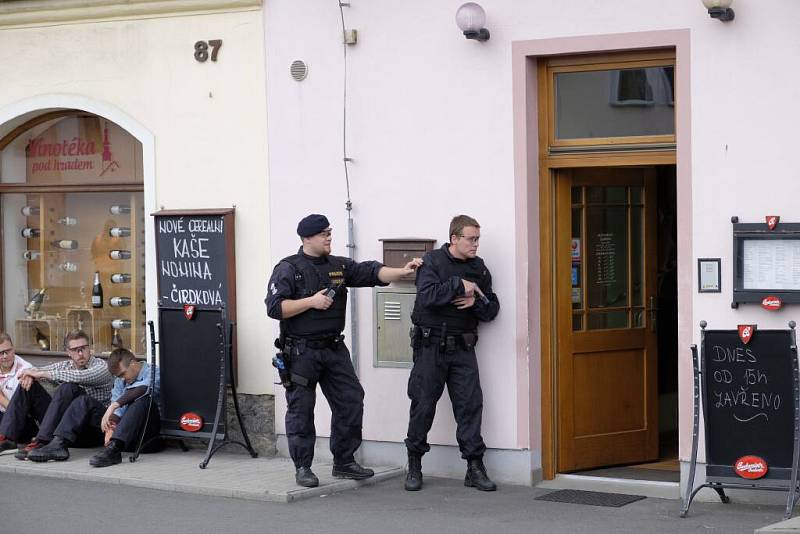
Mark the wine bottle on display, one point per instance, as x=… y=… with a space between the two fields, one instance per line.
x=119 y=254
x=119 y=302
x=30 y=233
x=119 y=209
x=120 y=278
x=36 y=302
x=68 y=221
x=41 y=339
x=31 y=255
x=121 y=323
x=97 y=292
x=116 y=339
x=29 y=211
x=66 y=244
x=68 y=267
x=119 y=231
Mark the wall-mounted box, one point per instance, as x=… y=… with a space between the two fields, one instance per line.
x=399 y=251
x=393 y=306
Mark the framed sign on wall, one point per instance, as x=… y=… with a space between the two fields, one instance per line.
x=766 y=263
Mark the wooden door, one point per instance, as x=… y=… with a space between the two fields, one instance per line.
x=606 y=362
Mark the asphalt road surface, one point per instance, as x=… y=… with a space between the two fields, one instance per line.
x=42 y=505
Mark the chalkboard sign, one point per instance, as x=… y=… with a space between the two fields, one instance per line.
x=749 y=383
x=190 y=371
x=748 y=398
x=195 y=259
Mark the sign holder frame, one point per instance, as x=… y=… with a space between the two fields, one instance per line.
x=717 y=482
x=216 y=438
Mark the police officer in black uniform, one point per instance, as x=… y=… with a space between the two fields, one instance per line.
x=454 y=293
x=307 y=293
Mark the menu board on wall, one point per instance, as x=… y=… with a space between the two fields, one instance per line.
x=766 y=266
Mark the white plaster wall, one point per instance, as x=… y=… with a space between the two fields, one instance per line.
x=430 y=124
x=207 y=121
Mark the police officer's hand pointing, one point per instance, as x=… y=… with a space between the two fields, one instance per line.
x=412 y=266
x=319 y=301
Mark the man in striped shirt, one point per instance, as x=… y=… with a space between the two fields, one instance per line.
x=82 y=374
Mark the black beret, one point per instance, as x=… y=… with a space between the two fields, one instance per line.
x=312 y=225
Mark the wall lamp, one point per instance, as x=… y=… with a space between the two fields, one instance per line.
x=719 y=9
x=471 y=17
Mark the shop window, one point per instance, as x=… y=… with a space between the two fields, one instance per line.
x=71 y=205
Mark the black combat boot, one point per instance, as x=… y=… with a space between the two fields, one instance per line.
x=353 y=471
x=305 y=477
x=476 y=476
x=414 y=476
x=55 y=450
x=110 y=455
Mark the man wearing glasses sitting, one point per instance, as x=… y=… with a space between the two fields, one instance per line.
x=82 y=375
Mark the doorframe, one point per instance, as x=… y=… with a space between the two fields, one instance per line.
x=534 y=188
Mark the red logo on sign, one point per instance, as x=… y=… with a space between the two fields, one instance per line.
x=188 y=311
x=746 y=332
x=771 y=303
x=190 y=422
x=750 y=467
x=772 y=221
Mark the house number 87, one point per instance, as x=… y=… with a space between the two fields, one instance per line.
x=201 y=50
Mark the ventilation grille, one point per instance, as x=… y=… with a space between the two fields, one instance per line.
x=392 y=311
x=299 y=70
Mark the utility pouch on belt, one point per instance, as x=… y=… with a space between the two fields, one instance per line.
x=470 y=340
x=282 y=361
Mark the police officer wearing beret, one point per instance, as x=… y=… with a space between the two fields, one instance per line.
x=454 y=293
x=307 y=293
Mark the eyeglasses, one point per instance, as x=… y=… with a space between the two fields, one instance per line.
x=83 y=349
x=471 y=238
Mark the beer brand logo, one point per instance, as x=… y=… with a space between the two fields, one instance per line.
x=746 y=332
x=771 y=303
x=191 y=422
x=751 y=467
x=188 y=311
x=772 y=221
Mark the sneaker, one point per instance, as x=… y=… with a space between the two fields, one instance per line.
x=6 y=444
x=110 y=455
x=22 y=454
x=55 y=450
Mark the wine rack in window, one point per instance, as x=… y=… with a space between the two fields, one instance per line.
x=83 y=257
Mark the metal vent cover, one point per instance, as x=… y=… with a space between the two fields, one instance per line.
x=298 y=70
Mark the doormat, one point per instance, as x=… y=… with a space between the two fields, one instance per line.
x=592 y=498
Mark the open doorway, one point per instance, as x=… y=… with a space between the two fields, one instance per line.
x=617 y=361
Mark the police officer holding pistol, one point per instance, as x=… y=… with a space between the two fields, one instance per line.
x=307 y=293
x=454 y=293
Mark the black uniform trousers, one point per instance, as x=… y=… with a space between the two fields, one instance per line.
x=333 y=370
x=37 y=404
x=432 y=370
x=81 y=423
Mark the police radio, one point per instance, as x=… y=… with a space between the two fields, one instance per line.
x=331 y=291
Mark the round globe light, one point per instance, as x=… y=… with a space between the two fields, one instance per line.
x=723 y=4
x=471 y=17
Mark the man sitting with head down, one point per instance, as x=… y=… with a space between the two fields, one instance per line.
x=122 y=421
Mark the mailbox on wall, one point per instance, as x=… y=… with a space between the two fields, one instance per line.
x=398 y=252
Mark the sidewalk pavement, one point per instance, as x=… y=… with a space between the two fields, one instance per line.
x=227 y=475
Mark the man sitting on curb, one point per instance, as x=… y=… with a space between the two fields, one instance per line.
x=10 y=365
x=122 y=421
x=82 y=375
